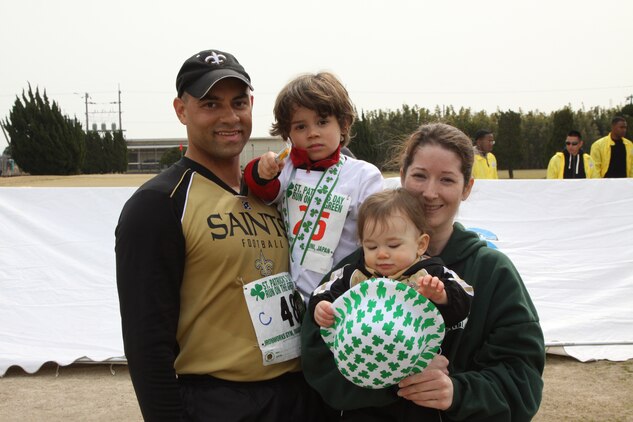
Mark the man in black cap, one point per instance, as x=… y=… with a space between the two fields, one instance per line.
x=209 y=316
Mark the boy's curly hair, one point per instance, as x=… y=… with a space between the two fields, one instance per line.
x=321 y=92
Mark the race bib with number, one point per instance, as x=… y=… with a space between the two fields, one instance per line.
x=276 y=309
x=316 y=241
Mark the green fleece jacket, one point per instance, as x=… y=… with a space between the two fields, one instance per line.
x=496 y=361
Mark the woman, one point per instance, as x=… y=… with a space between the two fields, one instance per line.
x=496 y=361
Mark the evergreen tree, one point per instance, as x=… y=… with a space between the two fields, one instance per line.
x=508 y=141
x=170 y=156
x=379 y=132
x=109 y=154
x=584 y=122
x=120 y=153
x=362 y=143
x=562 y=123
x=536 y=131
x=93 y=163
x=369 y=142
x=42 y=140
x=105 y=153
x=602 y=119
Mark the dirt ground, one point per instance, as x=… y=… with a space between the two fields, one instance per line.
x=83 y=180
x=574 y=391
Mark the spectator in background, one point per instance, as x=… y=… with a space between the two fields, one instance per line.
x=572 y=162
x=485 y=166
x=613 y=154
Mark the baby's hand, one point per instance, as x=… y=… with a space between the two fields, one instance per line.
x=324 y=314
x=432 y=288
x=268 y=166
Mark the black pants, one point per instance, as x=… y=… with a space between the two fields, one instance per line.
x=400 y=411
x=286 y=398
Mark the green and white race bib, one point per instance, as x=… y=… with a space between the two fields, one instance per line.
x=276 y=310
x=315 y=216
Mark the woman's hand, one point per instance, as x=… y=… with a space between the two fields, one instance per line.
x=430 y=388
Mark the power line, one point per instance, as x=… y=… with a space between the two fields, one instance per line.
x=526 y=91
x=89 y=113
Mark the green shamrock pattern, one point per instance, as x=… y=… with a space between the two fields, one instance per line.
x=383 y=331
x=258 y=291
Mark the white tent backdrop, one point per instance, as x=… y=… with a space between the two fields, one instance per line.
x=58 y=299
x=571 y=240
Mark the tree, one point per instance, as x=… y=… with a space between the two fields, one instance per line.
x=525 y=140
x=536 y=131
x=119 y=164
x=105 y=153
x=562 y=123
x=363 y=143
x=371 y=137
x=42 y=140
x=170 y=156
x=94 y=162
x=508 y=147
x=584 y=122
x=602 y=119
x=627 y=110
x=377 y=134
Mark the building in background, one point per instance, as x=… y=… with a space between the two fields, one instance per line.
x=143 y=155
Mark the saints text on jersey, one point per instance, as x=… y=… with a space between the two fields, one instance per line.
x=226 y=224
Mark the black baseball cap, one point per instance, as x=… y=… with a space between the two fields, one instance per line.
x=201 y=71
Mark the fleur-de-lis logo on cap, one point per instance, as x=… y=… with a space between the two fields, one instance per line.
x=215 y=58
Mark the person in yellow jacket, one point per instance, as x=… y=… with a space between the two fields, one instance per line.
x=485 y=165
x=613 y=154
x=572 y=162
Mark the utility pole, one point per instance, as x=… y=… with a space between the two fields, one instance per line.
x=120 y=125
x=87 y=127
x=87 y=97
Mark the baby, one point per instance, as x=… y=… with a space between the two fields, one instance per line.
x=391 y=228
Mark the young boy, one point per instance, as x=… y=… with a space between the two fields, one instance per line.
x=391 y=228
x=318 y=190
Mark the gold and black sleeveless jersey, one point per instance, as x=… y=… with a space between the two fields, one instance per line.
x=186 y=243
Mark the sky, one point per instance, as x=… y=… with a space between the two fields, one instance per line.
x=486 y=55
